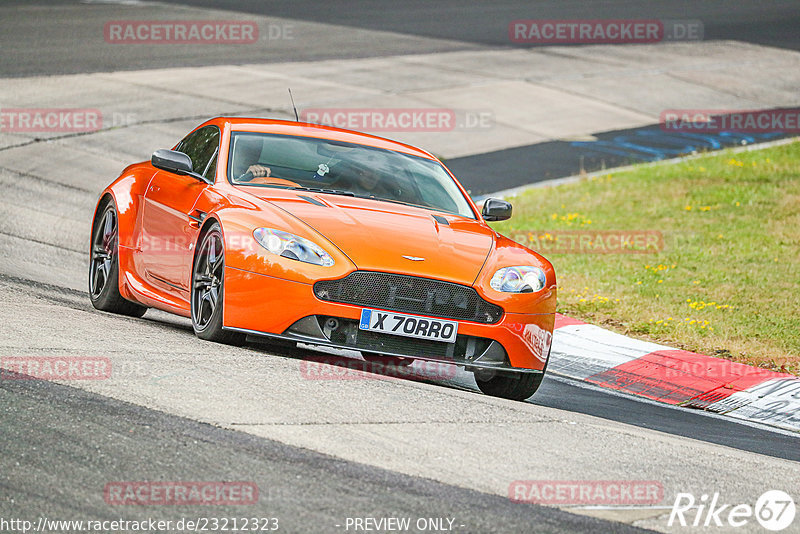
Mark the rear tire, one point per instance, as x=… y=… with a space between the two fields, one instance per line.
x=512 y=386
x=104 y=265
x=208 y=290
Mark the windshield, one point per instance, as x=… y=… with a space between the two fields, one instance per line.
x=269 y=160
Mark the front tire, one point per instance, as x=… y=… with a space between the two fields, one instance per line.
x=104 y=266
x=512 y=386
x=208 y=290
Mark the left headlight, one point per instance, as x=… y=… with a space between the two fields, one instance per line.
x=519 y=279
x=292 y=246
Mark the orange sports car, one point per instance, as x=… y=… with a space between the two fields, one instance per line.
x=319 y=235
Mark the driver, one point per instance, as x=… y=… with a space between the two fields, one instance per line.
x=369 y=181
x=363 y=178
x=366 y=178
x=245 y=164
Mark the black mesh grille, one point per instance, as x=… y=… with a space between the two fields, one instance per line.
x=409 y=294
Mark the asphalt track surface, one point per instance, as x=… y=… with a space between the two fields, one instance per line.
x=68 y=444
x=61 y=444
x=486 y=23
x=556 y=392
x=38 y=41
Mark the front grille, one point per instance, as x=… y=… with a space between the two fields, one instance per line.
x=409 y=294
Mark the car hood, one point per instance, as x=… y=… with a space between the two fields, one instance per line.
x=382 y=236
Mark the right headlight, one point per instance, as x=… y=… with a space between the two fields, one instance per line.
x=519 y=279
x=292 y=246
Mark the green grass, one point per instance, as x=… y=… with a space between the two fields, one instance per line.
x=727 y=280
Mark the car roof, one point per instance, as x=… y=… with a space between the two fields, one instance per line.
x=252 y=124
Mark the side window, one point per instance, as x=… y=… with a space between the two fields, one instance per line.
x=201 y=146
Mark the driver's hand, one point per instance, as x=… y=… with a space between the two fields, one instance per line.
x=259 y=171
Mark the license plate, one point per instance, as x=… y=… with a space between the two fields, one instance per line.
x=408 y=325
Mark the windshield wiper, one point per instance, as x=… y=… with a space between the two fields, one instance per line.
x=393 y=201
x=321 y=190
x=356 y=195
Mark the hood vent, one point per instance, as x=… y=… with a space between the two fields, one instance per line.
x=312 y=200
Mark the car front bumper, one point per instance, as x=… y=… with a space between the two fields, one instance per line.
x=263 y=305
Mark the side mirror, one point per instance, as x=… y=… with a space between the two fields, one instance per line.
x=176 y=162
x=495 y=209
x=172 y=161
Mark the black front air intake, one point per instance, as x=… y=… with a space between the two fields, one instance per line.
x=409 y=294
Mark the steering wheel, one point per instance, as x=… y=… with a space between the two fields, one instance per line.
x=271 y=180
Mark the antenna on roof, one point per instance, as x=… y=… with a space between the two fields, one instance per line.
x=296 y=117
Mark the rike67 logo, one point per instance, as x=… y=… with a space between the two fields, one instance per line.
x=774 y=510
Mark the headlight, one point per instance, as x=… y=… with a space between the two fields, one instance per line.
x=292 y=246
x=519 y=279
